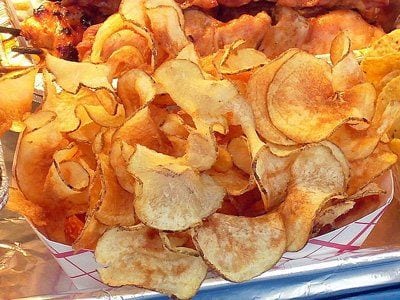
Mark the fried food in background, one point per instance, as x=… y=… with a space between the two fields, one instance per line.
x=272 y=27
x=191 y=156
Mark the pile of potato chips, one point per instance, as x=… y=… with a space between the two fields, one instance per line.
x=186 y=164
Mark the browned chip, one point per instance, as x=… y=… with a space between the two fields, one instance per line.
x=302 y=103
x=317 y=176
x=257 y=90
x=364 y=171
x=180 y=199
x=137 y=256
x=241 y=248
x=116 y=204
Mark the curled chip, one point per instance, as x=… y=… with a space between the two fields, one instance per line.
x=303 y=83
x=141 y=128
x=235 y=59
x=16 y=94
x=364 y=171
x=67 y=178
x=115 y=203
x=257 y=90
x=166 y=27
x=137 y=256
x=181 y=198
x=272 y=174
x=340 y=48
x=133 y=10
x=113 y=24
x=239 y=150
x=34 y=158
x=71 y=75
x=317 y=176
x=241 y=248
x=135 y=89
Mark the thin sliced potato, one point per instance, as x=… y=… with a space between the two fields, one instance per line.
x=240 y=248
x=317 y=176
x=181 y=198
x=137 y=256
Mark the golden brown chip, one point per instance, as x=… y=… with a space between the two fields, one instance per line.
x=340 y=47
x=234 y=181
x=240 y=248
x=142 y=129
x=115 y=204
x=34 y=158
x=133 y=10
x=16 y=94
x=71 y=75
x=317 y=176
x=180 y=199
x=364 y=171
x=166 y=27
x=136 y=256
x=120 y=165
x=257 y=90
x=113 y=24
x=90 y=234
x=303 y=84
x=135 y=88
x=67 y=178
x=240 y=153
x=359 y=144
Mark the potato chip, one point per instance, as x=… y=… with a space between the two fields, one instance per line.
x=71 y=75
x=347 y=73
x=201 y=150
x=34 y=158
x=136 y=256
x=257 y=90
x=176 y=241
x=124 y=59
x=224 y=161
x=100 y=116
x=169 y=3
x=113 y=24
x=316 y=177
x=250 y=246
x=359 y=144
x=340 y=47
x=67 y=178
x=240 y=153
x=120 y=165
x=166 y=28
x=90 y=234
x=233 y=181
x=115 y=204
x=135 y=89
x=133 y=10
x=386 y=45
x=303 y=83
x=168 y=205
x=16 y=94
x=17 y=202
x=272 y=174
x=235 y=59
x=142 y=129
x=364 y=171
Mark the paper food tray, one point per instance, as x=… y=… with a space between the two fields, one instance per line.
x=81 y=266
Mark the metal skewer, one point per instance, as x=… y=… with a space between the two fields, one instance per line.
x=10 y=30
x=27 y=50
